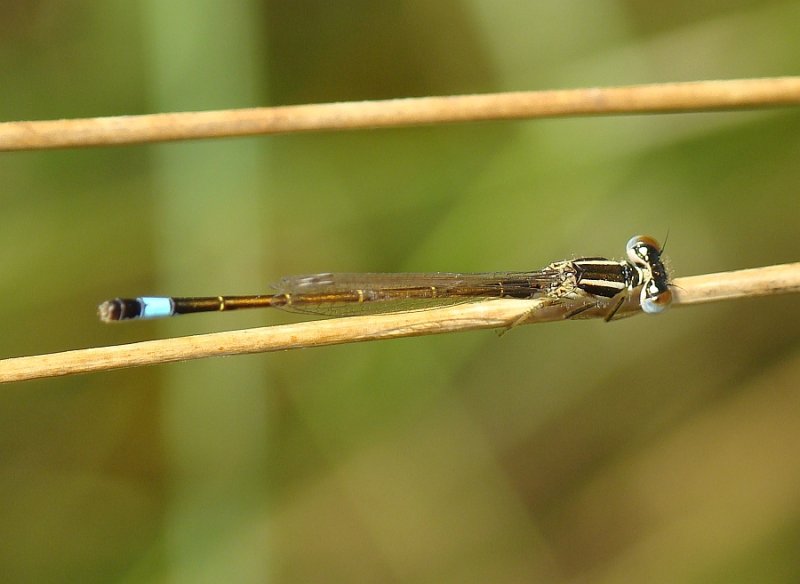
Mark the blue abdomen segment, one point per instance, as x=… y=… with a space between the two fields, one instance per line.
x=155 y=306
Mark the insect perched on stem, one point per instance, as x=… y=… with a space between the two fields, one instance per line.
x=580 y=284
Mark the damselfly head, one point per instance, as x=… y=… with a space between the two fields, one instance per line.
x=645 y=253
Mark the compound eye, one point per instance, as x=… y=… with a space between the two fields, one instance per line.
x=639 y=248
x=654 y=300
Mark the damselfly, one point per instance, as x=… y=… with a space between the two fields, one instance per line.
x=582 y=284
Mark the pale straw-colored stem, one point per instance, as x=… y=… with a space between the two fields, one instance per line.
x=654 y=98
x=502 y=313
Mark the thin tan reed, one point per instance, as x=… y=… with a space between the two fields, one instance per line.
x=502 y=313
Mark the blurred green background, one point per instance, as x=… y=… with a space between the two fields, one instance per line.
x=650 y=449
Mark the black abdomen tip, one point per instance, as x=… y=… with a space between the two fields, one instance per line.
x=119 y=309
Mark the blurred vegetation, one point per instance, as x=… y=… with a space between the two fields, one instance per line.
x=651 y=449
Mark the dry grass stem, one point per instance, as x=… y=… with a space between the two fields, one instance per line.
x=483 y=315
x=654 y=98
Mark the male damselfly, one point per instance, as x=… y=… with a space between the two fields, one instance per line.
x=581 y=284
